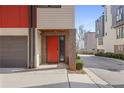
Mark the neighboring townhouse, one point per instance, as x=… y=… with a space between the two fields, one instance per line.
x=100 y=33
x=34 y=35
x=88 y=37
x=113 y=37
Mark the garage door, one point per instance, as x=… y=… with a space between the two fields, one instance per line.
x=13 y=51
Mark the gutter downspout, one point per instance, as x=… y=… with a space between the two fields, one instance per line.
x=32 y=26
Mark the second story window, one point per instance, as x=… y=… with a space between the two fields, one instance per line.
x=119 y=14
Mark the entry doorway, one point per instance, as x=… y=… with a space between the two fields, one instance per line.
x=55 y=49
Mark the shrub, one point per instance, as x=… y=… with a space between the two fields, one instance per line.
x=111 y=55
x=122 y=56
x=78 y=57
x=79 y=64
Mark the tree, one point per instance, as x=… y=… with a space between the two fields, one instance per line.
x=80 y=37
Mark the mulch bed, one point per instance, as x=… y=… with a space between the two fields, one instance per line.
x=77 y=72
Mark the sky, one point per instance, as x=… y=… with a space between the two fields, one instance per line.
x=86 y=15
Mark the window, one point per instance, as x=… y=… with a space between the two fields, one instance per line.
x=98 y=32
x=120 y=33
x=61 y=48
x=119 y=14
x=49 y=6
x=100 y=41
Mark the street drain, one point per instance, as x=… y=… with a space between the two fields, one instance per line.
x=113 y=70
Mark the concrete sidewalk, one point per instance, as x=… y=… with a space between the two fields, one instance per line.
x=49 y=76
x=97 y=80
x=81 y=81
x=89 y=80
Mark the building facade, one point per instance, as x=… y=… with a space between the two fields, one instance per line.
x=111 y=29
x=34 y=35
x=88 y=37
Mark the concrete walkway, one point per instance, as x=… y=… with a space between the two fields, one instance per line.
x=47 y=76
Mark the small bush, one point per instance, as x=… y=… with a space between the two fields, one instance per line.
x=78 y=57
x=122 y=56
x=79 y=65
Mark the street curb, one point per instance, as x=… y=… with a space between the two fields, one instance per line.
x=98 y=81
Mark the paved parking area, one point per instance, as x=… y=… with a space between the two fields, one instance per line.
x=109 y=69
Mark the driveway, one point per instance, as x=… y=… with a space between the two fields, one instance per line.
x=47 y=76
x=50 y=77
x=108 y=69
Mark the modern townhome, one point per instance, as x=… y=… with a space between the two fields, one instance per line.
x=34 y=35
x=110 y=29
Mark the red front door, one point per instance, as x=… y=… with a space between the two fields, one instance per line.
x=52 y=49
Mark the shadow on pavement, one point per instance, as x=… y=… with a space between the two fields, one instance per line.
x=66 y=85
x=22 y=70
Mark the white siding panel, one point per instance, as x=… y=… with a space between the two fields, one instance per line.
x=13 y=31
x=56 y=18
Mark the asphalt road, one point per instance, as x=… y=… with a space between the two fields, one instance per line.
x=110 y=70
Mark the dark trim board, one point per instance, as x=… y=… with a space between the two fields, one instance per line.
x=32 y=25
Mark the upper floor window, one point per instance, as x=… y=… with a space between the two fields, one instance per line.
x=119 y=14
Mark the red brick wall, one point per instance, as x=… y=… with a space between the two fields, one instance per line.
x=14 y=16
